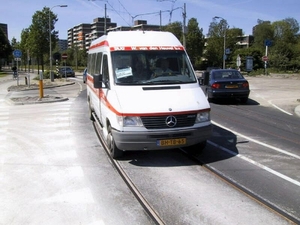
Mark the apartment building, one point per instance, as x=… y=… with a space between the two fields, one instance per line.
x=62 y=44
x=3 y=27
x=81 y=35
x=138 y=25
x=245 y=41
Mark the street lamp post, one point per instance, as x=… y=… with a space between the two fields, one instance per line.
x=224 y=47
x=50 y=47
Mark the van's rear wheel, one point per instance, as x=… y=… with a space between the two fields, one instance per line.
x=91 y=111
x=112 y=148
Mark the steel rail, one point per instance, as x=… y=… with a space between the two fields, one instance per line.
x=138 y=195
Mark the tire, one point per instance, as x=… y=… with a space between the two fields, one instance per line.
x=244 y=100
x=91 y=111
x=206 y=95
x=112 y=148
x=196 y=149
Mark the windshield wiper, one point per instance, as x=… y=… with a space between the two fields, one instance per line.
x=163 y=81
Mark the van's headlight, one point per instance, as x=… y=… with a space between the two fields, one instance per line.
x=203 y=117
x=130 y=121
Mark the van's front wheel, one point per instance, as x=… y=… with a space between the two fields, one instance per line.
x=112 y=148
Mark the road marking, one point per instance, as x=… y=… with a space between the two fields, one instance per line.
x=270 y=102
x=252 y=161
x=258 y=142
x=256 y=164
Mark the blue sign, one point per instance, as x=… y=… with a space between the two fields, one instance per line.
x=17 y=53
x=268 y=42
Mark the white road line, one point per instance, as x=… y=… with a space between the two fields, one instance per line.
x=252 y=161
x=258 y=142
x=270 y=102
x=256 y=164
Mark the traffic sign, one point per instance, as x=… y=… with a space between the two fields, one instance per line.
x=264 y=58
x=17 y=53
x=64 y=56
x=238 y=61
x=268 y=42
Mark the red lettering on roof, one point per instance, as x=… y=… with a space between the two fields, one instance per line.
x=145 y=48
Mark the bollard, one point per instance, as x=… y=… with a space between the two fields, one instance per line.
x=27 y=80
x=41 y=86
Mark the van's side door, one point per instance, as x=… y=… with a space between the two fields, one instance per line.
x=105 y=88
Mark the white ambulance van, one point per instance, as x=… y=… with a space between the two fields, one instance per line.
x=144 y=94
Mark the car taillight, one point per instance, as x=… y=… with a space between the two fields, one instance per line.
x=215 y=85
x=245 y=85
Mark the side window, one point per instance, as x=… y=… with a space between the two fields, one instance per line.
x=98 y=62
x=105 y=73
x=91 y=63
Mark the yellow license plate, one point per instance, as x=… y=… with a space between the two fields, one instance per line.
x=231 y=86
x=172 y=142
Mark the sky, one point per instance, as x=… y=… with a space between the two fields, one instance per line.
x=243 y=14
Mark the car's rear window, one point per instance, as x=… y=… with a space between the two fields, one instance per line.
x=226 y=75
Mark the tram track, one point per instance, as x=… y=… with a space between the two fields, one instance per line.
x=138 y=195
x=152 y=213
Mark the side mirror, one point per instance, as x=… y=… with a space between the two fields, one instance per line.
x=97 y=80
x=200 y=80
x=205 y=78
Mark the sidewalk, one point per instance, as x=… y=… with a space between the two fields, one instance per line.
x=278 y=90
x=26 y=90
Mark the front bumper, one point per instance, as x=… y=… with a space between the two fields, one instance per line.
x=148 y=140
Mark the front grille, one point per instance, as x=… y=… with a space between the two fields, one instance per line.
x=159 y=122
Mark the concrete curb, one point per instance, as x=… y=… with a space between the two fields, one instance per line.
x=43 y=100
x=297 y=110
x=45 y=87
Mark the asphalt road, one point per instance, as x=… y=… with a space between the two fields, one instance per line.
x=53 y=171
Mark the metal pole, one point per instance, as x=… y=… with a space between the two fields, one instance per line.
x=50 y=51
x=105 y=19
x=266 y=54
x=224 y=55
x=183 y=29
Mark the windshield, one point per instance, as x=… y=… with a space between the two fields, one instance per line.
x=152 y=67
x=226 y=74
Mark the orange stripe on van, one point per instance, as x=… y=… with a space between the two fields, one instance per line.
x=100 y=44
x=100 y=94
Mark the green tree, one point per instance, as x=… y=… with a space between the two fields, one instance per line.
x=24 y=45
x=286 y=38
x=175 y=28
x=263 y=31
x=231 y=39
x=195 y=41
x=215 y=43
x=254 y=52
x=38 y=38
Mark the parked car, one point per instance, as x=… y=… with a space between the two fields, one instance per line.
x=225 y=84
x=84 y=75
x=63 y=71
